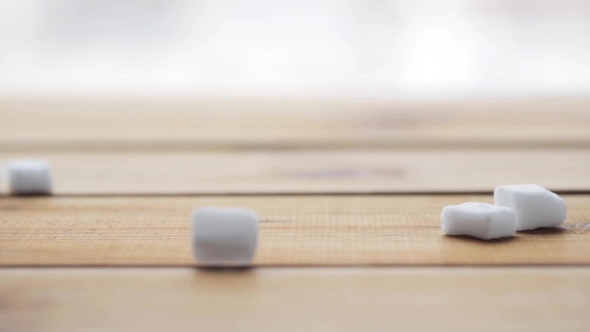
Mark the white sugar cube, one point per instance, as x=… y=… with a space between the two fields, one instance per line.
x=224 y=236
x=535 y=206
x=481 y=220
x=29 y=177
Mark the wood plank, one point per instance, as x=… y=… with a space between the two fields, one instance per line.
x=164 y=124
x=325 y=299
x=295 y=230
x=333 y=171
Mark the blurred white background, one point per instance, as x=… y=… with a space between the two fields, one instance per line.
x=363 y=48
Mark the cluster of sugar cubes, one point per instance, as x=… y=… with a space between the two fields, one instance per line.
x=229 y=236
x=517 y=208
x=221 y=236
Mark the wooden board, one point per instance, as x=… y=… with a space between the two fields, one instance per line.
x=152 y=148
x=333 y=171
x=295 y=230
x=165 y=124
x=326 y=299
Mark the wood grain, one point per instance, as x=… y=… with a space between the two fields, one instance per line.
x=295 y=230
x=333 y=171
x=326 y=299
x=302 y=147
x=165 y=124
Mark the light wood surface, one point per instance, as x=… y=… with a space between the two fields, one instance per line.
x=332 y=171
x=165 y=124
x=294 y=230
x=313 y=299
x=174 y=153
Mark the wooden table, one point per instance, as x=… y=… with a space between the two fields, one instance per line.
x=349 y=194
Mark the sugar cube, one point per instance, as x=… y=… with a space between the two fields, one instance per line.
x=29 y=177
x=481 y=220
x=224 y=236
x=535 y=206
